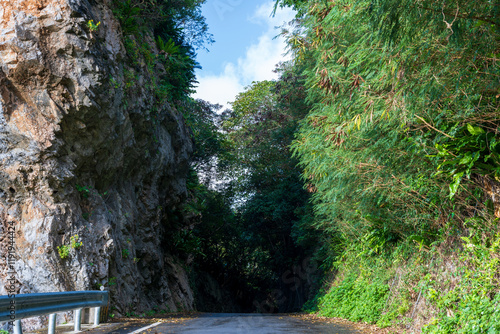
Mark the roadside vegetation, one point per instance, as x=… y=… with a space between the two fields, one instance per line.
x=400 y=151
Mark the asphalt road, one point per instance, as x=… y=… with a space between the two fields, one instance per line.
x=231 y=323
x=214 y=323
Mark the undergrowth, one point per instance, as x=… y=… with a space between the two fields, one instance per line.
x=472 y=306
x=433 y=289
x=361 y=290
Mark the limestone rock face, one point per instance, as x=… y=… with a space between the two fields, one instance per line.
x=81 y=155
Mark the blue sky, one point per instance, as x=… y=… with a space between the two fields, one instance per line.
x=244 y=50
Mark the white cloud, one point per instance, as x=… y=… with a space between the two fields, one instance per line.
x=263 y=13
x=219 y=88
x=257 y=64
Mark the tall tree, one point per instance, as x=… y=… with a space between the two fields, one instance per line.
x=261 y=127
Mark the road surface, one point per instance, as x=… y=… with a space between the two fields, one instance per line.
x=216 y=323
x=237 y=323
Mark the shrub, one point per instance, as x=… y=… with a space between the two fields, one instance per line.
x=63 y=251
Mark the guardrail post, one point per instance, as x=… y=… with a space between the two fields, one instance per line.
x=78 y=319
x=17 y=327
x=97 y=316
x=52 y=323
x=43 y=304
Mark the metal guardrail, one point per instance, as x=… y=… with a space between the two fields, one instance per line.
x=17 y=307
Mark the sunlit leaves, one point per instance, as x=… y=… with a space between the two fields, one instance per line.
x=400 y=91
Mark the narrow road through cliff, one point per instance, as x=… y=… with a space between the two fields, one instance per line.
x=222 y=323
x=229 y=323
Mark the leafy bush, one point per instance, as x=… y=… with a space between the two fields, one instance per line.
x=63 y=251
x=474 y=302
x=356 y=299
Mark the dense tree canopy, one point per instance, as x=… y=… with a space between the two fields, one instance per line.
x=251 y=226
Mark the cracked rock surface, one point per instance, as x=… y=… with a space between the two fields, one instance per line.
x=81 y=156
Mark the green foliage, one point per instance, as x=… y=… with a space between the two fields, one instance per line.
x=391 y=110
x=169 y=47
x=130 y=79
x=361 y=291
x=473 y=304
x=383 y=288
x=182 y=17
x=112 y=281
x=355 y=299
x=93 y=26
x=76 y=242
x=114 y=82
x=63 y=251
x=83 y=190
x=251 y=232
x=125 y=253
x=128 y=12
x=178 y=27
x=263 y=238
x=298 y=5
x=188 y=243
x=474 y=151
x=180 y=78
x=211 y=145
x=404 y=119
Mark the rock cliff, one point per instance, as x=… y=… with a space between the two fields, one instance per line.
x=92 y=169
